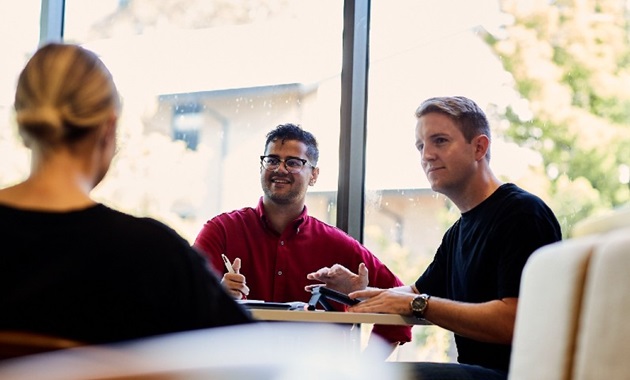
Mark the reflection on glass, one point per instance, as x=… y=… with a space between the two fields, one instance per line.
x=202 y=83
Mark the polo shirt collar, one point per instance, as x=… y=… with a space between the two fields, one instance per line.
x=260 y=211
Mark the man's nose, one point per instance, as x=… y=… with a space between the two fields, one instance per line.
x=426 y=154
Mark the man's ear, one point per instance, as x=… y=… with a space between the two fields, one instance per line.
x=314 y=175
x=481 y=143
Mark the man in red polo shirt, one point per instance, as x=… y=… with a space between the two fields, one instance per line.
x=274 y=246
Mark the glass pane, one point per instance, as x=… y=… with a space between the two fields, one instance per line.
x=553 y=80
x=18 y=40
x=202 y=83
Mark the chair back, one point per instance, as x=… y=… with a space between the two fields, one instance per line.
x=603 y=338
x=571 y=322
x=606 y=222
x=549 y=309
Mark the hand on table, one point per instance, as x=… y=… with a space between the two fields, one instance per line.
x=388 y=301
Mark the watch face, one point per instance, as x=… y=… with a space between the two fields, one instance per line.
x=418 y=304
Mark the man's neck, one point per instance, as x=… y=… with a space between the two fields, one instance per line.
x=476 y=192
x=280 y=215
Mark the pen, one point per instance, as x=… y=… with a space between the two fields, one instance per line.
x=228 y=266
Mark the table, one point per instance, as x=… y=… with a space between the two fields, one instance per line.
x=353 y=340
x=335 y=317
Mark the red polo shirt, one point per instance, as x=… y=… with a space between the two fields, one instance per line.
x=276 y=266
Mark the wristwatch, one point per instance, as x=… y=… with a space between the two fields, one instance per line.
x=419 y=305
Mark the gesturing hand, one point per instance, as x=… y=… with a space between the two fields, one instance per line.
x=235 y=283
x=340 y=278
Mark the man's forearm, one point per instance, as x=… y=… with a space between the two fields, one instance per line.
x=491 y=322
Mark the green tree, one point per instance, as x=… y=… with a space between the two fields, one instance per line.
x=570 y=61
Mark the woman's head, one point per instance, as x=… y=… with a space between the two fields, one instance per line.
x=64 y=94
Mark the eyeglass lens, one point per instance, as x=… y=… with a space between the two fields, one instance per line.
x=293 y=165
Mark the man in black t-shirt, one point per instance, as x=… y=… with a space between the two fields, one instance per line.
x=471 y=288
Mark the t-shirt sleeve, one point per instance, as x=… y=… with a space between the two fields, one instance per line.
x=530 y=231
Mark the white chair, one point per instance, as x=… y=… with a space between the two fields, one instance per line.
x=548 y=310
x=603 y=339
x=601 y=223
x=574 y=304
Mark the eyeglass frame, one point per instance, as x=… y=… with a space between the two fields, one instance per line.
x=283 y=161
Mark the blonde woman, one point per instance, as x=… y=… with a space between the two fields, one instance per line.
x=70 y=266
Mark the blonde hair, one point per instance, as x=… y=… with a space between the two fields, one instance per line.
x=63 y=93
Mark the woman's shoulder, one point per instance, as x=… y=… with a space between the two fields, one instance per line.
x=134 y=224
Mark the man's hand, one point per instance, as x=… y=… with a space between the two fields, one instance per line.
x=390 y=301
x=340 y=278
x=234 y=283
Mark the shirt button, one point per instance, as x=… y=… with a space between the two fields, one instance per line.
x=279 y=273
x=282 y=242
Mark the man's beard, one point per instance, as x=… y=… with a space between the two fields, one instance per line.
x=276 y=197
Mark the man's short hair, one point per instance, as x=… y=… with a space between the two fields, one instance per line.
x=465 y=113
x=288 y=132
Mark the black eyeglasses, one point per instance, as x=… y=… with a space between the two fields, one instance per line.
x=292 y=164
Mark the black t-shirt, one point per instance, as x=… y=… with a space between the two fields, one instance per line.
x=98 y=275
x=481 y=258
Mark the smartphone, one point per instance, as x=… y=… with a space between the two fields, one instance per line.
x=323 y=293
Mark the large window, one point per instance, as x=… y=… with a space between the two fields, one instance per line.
x=202 y=83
